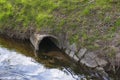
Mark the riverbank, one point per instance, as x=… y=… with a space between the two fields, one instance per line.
x=50 y=60
x=17 y=58
x=79 y=25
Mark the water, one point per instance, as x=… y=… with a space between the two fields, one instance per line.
x=18 y=62
x=14 y=65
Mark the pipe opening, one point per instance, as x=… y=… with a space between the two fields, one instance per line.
x=48 y=44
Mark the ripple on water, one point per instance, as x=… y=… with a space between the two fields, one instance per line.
x=15 y=66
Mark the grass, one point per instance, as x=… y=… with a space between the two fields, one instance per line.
x=82 y=21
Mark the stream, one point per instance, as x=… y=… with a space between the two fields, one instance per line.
x=19 y=61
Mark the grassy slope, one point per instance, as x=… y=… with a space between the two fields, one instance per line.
x=92 y=23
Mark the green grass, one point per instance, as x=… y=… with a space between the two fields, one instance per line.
x=85 y=21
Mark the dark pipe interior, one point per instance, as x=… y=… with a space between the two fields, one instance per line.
x=47 y=45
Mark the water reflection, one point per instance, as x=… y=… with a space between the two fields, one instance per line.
x=15 y=66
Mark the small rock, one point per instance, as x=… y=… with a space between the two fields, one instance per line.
x=71 y=54
x=81 y=53
x=75 y=58
x=67 y=51
x=89 y=62
x=99 y=68
x=92 y=60
x=102 y=73
x=101 y=62
x=92 y=55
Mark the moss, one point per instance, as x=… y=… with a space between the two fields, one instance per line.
x=86 y=11
x=74 y=38
x=117 y=23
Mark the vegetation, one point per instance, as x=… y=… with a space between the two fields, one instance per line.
x=91 y=23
